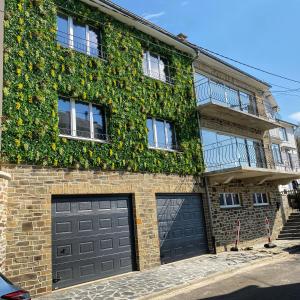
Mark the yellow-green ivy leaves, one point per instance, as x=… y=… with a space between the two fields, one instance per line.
x=37 y=71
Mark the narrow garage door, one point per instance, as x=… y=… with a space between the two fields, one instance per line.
x=181 y=226
x=92 y=238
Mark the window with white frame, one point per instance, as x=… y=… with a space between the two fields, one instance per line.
x=283 y=134
x=81 y=37
x=156 y=67
x=277 y=154
x=81 y=120
x=161 y=134
x=260 y=199
x=229 y=200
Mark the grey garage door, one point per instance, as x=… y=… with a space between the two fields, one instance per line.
x=181 y=226
x=92 y=238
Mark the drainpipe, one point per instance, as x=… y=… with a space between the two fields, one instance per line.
x=213 y=239
x=2 y=2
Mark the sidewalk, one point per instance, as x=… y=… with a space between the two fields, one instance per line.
x=138 y=285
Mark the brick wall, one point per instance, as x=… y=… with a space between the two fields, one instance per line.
x=29 y=193
x=252 y=217
x=3 y=222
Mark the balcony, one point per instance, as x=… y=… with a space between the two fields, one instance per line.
x=233 y=160
x=219 y=101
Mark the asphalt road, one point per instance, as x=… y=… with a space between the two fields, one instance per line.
x=277 y=281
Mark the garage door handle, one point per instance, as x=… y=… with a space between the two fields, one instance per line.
x=55 y=280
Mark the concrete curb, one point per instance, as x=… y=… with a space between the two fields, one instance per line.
x=197 y=283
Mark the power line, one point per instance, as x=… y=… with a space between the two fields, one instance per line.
x=249 y=66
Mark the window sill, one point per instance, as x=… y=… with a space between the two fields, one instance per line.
x=152 y=77
x=230 y=206
x=260 y=204
x=163 y=149
x=64 y=47
x=77 y=138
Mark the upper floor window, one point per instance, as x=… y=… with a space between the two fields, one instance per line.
x=277 y=154
x=81 y=120
x=260 y=199
x=156 y=67
x=283 y=134
x=161 y=134
x=229 y=200
x=76 y=35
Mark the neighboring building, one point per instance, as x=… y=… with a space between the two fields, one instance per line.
x=102 y=165
x=285 y=150
x=236 y=112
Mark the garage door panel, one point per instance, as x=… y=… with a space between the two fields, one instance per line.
x=91 y=238
x=181 y=226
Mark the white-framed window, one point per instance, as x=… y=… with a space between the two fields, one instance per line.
x=277 y=154
x=81 y=120
x=283 y=134
x=156 y=67
x=260 y=199
x=76 y=35
x=229 y=200
x=161 y=134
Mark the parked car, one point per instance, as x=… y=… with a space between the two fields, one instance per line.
x=8 y=291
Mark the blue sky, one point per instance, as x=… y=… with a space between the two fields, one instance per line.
x=262 y=33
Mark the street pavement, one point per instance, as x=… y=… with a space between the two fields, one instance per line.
x=161 y=280
x=280 y=280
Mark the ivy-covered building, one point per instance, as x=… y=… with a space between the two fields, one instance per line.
x=102 y=164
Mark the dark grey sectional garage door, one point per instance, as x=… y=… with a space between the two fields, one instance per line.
x=92 y=238
x=181 y=226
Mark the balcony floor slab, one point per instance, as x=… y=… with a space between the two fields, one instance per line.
x=251 y=175
x=217 y=110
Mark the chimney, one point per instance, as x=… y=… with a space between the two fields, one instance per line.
x=182 y=37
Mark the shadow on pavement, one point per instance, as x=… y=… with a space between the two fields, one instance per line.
x=252 y=292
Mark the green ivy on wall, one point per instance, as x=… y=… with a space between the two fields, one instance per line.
x=37 y=71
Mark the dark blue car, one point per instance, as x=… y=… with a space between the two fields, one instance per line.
x=8 y=291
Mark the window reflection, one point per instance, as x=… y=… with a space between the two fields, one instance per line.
x=82 y=120
x=64 y=115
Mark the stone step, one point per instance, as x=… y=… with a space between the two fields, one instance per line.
x=292 y=226
x=293 y=222
x=294 y=218
x=288 y=238
x=289 y=235
x=290 y=230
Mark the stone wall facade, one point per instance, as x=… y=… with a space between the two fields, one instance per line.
x=29 y=193
x=28 y=196
x=3 y=223
x=252 y=218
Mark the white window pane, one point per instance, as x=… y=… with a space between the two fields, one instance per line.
x=160 y=132
x=171 y=135
x=62 y=30
x=229 y=199
x=82 y=120
x=264 y=198
x=64 y=115
x=259 y=198
x=154 y=62
x=151 y=141
x=236 y=200
x=222 y=202
x=162 y=72
x=254 y=198
x=95 y=41
x=145 y=64
x=99 y=123
x=79 y=32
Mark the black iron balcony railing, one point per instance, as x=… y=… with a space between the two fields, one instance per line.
x=233 y=153
x=208 y=91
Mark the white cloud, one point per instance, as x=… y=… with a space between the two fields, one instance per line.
x=153 y=16
x=295 y=116
x=184 y=3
